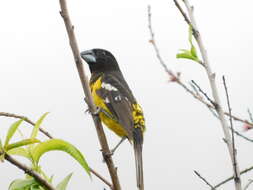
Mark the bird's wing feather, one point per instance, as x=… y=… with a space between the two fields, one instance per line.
x=118 y=99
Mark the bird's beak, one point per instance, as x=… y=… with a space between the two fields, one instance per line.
x=88 y=56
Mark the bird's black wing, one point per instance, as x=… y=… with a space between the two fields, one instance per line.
x=118 y=99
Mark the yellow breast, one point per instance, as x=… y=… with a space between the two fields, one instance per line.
x=99 y=102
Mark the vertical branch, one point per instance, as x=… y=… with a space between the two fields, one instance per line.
x=85 y=84
x=232 y=129
x=211 y=78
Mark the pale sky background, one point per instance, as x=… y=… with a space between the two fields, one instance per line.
x=38 y=75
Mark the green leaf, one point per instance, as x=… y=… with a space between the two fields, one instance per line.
x=60 y=145
x=20 y=152
x=63 y=184
x=186 y=54
x=12 y=131
x=37 y=125
x=194 y=52
x=21 y=143
x=22 y=184
x=35 y=187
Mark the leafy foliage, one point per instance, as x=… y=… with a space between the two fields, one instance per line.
x=60 y=145
x=32 y=149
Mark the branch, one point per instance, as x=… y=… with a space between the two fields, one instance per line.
x=101 y=178
x=85 y=84
x=211 y=78
x=249 y=183
x=27 y=120
x=232 y=177
x=212 y=187
x=50 y=137
x=30 y=172
x=175 y=78
x=232 y=129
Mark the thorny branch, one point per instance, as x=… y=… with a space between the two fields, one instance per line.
x=26 y=119
x=85 y=84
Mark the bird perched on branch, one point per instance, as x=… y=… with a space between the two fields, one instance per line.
x=118 y=108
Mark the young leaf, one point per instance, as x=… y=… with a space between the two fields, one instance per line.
x=60 y=145
x=186 y=54
x=22 y=184
x=63 y=184
x=35 y=187
x=37 y=125
x=194 y=52
x=19 y=152
x=12 y=131
x=21 y=143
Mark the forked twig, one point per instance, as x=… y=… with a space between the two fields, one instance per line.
x=202 y=178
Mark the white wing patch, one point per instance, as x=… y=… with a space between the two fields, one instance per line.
x=108 y=86
x=107 y=100
x=118 y=98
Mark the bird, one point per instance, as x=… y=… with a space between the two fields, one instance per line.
x=119 y=110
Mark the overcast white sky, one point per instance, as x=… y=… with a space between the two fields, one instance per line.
x=37 y=75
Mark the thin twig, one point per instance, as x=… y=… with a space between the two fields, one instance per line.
x=232 y=177
x=182 y=12
x=85 y=84
x=101 y=178
x=232 y=129
x=242 y=136
x=212 y=82
x=205 y=94
x=248 y=184
x=197 y=173
x=27 y=120
x=30 y=172
x=250 y=115
x=176 y=79
x=51 y=137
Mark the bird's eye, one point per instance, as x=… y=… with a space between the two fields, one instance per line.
x=103 y=53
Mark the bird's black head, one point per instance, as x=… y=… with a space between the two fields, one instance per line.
x=100 y=60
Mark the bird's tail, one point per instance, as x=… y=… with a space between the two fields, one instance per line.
x=138 y=141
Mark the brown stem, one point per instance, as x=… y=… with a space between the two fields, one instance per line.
x=85 y=84
x=101 y=178
x=30 y=172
